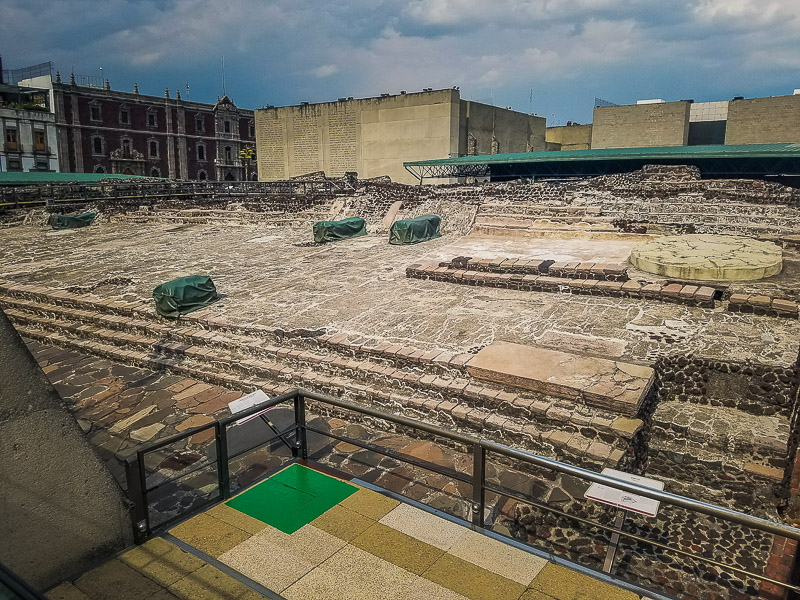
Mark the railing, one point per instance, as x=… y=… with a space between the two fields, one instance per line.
x=13 y=587
x=138 y=193
x=141 y=490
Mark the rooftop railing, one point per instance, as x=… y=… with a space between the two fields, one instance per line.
x=146 y=487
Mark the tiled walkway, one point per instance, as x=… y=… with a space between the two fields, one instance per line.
x=303 y=534
x=325 y=538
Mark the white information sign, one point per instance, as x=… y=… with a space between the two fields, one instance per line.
x=248 y=401
x=620 y=499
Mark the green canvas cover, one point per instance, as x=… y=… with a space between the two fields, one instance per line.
x=413 y=231
x=332 y=231
x=181 y=296
x=71 y=221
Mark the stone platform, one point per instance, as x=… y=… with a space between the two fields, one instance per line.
x=709 y=258
x=600 y=382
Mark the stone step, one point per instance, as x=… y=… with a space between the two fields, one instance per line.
x=697 y=429
x=544 y=224
x=612 y=385
x=563 y=443
x=256 y=357
x=488 y=217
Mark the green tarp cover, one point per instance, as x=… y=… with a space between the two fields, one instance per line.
x=413 y=231
x=181 y=296
x=331 y=231
x=71 y=221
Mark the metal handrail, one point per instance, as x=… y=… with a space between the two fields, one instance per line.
x=481 y=447
x=17 y=586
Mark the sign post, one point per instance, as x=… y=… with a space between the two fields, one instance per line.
x=624 y=502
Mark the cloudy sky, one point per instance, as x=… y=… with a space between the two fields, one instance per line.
x=552 y=57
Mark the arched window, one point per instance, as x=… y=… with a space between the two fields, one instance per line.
x=99 y=169
x=154 y=172
x=201 y=175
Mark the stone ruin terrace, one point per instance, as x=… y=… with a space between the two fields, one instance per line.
x=405 y=328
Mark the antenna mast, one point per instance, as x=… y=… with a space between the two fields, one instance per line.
x=223 y=75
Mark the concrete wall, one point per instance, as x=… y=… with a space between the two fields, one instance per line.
x=61 y=511
x=641 y=125
x=570 y=137
x=510 y=130
x=374 y=136
x=764 y=120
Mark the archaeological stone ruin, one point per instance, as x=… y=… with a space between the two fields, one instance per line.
x=645 y=322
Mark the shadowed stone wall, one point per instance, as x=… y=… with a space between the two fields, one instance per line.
x=61 y=512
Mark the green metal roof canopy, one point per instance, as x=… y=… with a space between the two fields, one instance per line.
x=753 y=160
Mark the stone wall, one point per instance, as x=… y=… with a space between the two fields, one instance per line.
x=641 y=125
x=764 y=120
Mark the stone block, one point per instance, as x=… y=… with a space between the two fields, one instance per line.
x=738 y=299
x=784 y=306
x=672 y=290
x=705 y=294
x=687 y=292
x=600 y=382
x=760 y=301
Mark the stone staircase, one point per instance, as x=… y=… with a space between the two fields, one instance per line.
x=540 y=220
x=223 y=216
x=431 y=385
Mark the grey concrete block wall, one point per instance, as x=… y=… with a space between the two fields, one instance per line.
x=641 y=125
x=571 y=137
x=61 y=510
x=764 y=120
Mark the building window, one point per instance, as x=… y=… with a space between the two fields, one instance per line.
x=153 y=146
x=201 y=152
x=97 y=145
x=99 y=169
x=200 y=124
x=95 y=112
x=125 y=115
x=252 y=130
x=201 y=175
x=151 y=119
x=12 y=141
x=41 y=165
x=227 y=126
x=38 y=141
x=228 y=155
x=14 y=164
x=126 y=148
x=154 y=172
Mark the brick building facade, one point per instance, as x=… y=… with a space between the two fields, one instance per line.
x=107 y=131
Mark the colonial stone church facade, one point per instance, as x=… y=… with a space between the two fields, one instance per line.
x=101 y=130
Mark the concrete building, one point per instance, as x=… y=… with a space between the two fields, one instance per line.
x=101 y=130
x=28 y=129
x=572 y=136
x=651 y=123
x=374 y=136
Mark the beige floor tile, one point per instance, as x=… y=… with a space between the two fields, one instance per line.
x=276 y=559
x=210 y=535
x=497 y=557
x=352 y=574
x=231 y=516
x=115 y=580
x=424 y=526
x=342 y=522
x=66 y=591
x=425 y=589
x=472 y=581
x=562 y=583
x=370 y=504
x=397 y=548
x=162 y=562
x=209 y=583
x=267 y=563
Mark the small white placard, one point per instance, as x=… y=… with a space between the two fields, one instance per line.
x=621 y=499
x=248 y=401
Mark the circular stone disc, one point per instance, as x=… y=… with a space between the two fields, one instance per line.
x=708 y=257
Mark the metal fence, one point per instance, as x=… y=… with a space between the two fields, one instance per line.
x=127 y=191
x=144 y=485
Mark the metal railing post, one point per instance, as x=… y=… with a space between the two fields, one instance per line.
x=136 y=486
x=223 y=472
x=478 y=479
x=300 y=442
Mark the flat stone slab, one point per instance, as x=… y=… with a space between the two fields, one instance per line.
x=608 y=384
x=709 y=257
